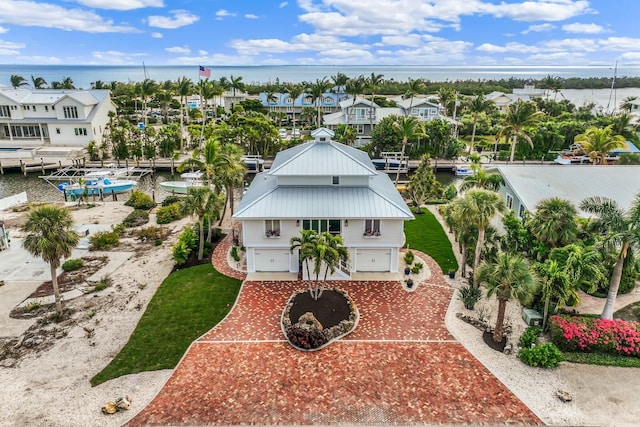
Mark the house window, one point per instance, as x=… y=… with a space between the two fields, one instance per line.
x=308 y=100
x=58 y=131
x=80 y=131
x=289 y=101
x=70 y=112
x=433 y=111
x=509 y=201
x=53 y=107
x=371 y=228
x=272 y=228
x=289 y=109
x=4 y=111
x=360 y=129
x=322 y=225
x=46 y=108
x=327 y=109
x=328 y=100
x=521 y=211
x=335 y=180
x=361 y=113
x=34 y=108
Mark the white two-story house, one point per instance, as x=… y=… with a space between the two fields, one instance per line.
x=325 y=186
x=62 y=118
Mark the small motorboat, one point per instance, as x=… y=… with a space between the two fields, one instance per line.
x=189 y=180
x=96 y=186
x=253 y=162
x=389 y=164
x=463 y=170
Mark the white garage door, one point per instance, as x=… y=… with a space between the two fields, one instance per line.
x=373 y=259
x=271 y=259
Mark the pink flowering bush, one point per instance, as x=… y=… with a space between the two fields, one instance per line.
x=587 y=334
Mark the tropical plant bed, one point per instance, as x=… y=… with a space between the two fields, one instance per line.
x=487 y=337
x=69 y=280
x=310 y=324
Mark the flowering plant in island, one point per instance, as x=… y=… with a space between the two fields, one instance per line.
x=586 y=334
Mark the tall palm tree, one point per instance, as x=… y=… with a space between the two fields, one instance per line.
x=184 y=88
x=520 y=117
x=18 y=81
x=554 y=222
x=597 y=143
x=148 y=88
x=327 y=253
x=372 y=83
x=317 y=90
x=197 y=202
x=305 y=244
x=294 y=90
x=477 y=106
x=415 y=87
x=354 y=87
x=339 y=81
x=39 y=82
x=482 y=179
x=231 y=174
x=556 y=285
x=479 y=207
x=508 y=277
x=465 y=232
x=446 y=95
x=621 y=233
x=236 y=83
x=408 y=127
x=211 y=159
x=51 y=237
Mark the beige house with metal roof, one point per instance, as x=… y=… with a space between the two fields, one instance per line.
x=325 y=186
x=526 y=186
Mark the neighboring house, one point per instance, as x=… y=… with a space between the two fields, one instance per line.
x=325 y=186
x=526 y=186
x=56 y=118
x=283 y=103
x=503 y=100
x=530 y=91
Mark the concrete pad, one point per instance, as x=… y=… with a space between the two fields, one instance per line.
x=12 y=294
x=116 y=259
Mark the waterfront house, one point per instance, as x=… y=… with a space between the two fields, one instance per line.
x=283 y=103
x=526 y=186
x=325 y=186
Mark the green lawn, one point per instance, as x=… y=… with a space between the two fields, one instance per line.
x=188 y=303
x=426 y=235
x=602 y=359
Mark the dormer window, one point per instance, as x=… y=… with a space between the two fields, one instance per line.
x=289 y=101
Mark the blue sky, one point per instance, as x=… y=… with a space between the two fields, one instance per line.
x=324 y=32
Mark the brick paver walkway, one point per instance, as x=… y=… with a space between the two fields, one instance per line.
x=400 y=366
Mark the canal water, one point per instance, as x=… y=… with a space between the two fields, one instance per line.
x=39 y=190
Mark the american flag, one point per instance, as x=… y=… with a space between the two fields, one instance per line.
x=204 y=72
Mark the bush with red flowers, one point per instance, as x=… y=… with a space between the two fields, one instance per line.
x=618 y=337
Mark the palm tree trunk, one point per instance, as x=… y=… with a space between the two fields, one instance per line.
x=476 y=255
x=614 y=284
x=502 y=306
x=56 y=290
x=463 y=259
x=201 y=244
x=513 y=147
x=473 y=134
x=404 y=146
x=545 y=313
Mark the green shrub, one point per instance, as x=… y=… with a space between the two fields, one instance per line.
x=33 y=305
x=119 y=229
x=409 y=257
x=451 y=192
x=417 y=268
x=173 y=199
x=544 y=355
x=149 y=233
x=234 y=254
x=186 y=243
x=72 y=264
x=104 y=240
x=529 y=336
x=136 y=218
x=470 y=295
x=167 y=214
x=158 y=241
x=140 y=200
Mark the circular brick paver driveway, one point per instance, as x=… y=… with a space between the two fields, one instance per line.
x=400 y=366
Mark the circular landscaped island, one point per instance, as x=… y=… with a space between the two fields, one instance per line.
x=309 y=324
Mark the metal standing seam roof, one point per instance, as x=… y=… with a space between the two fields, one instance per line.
x=322 y=159
x=573 y=183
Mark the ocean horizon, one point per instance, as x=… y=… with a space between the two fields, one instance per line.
x=84 y=75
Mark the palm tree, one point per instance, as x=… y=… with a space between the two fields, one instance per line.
x=477 y=106
x=623 y=124
x=50 y=236
x=479 y=207
x=317 y=90
x=372 y=84
x=598 y=143
x=236 y=83
x=621 y=232
x=508 y=277
x=198 y=202
x=211 y=159
x=18 y=81
x=147 y=88
x=67 y=83
x=327 y=253
x=183 y=88
x=305 y=244
x=465 y=233
x=554 y=222
x=408 y=127
x=482 y=179
x=628 y=103
x=231 y=174
x=339 y=82
x=583 y=265
x=38 y=82
x=294 y=91
x=354 y=87
x=520 y=117
x=414 y=88
x=556 y=285
x=446 y=95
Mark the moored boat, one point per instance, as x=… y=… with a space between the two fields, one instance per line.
x=189 y=180
x=97 y=186
x=253 y=162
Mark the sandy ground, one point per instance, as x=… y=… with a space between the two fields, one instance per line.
x=51 y=387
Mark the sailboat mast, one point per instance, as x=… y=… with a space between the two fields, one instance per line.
x=613 y=88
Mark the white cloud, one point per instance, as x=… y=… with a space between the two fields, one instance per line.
x=121 y=4
x=620 y=43
x=540 y=28
x=283 y=4
x=114 y=57
x=183 y=50
x=540 y=10
x=222 y=13
x=203 y=52
x=564 y=58
x=251 y=16
x=3 y=30
x=509 y=47
x=299 y=43
x=37 y=59
x=46 y=15
x=156 y=35
x=180 y=18
x=630 y=58
x=583 y=28
x=11 y=45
